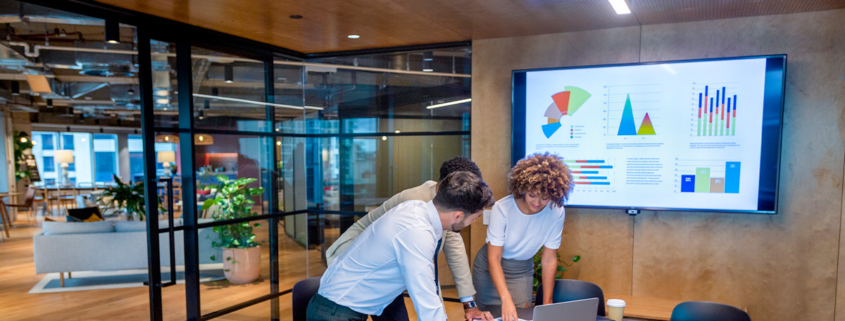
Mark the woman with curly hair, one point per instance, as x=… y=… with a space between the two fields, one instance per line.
x=530 y=218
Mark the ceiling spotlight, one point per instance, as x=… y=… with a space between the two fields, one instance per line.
x=162 y=101
x=383 y=137
x=16 y=88
x=112 y=31
x=49 y=103
x=229 y=73
x=162 y=92
x=620 y=6
x=278 y=143
x=63 y=33
x=131 y=91
x=201 y=115
x=353 y=36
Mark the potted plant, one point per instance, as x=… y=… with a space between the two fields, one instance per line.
x=129 y=197
x=241 y=252
x=538 y=268
x=21 y=144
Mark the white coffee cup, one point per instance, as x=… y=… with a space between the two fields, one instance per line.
x=615 y=309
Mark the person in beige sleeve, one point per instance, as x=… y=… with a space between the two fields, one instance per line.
x=453 y=245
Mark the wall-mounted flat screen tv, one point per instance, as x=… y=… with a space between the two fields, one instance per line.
x=701 y=135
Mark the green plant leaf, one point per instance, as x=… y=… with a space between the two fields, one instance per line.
x=214 y=257
x=223 y=178
x=576 y=258
x=257 y=225
x=228 y=258
x=207 y=204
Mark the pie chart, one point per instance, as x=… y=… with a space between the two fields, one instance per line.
x=564 y=103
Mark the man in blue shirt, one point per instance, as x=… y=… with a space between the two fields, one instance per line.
x=397 y=252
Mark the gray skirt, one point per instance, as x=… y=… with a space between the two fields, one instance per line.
x=519 y=278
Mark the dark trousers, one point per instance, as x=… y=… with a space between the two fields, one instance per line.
x=395 y=311
x=322 y=309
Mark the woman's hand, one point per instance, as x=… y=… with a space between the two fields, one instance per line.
x=509 y=311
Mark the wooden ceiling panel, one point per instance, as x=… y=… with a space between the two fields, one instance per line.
x=387 y=23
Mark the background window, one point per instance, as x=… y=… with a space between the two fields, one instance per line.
x=67 y=141
x=47 y=141
x=49 y=164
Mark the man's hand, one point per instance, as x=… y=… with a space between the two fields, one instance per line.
x=475 y=314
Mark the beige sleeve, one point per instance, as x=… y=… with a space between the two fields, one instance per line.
x=358 y=227
x=456 y=257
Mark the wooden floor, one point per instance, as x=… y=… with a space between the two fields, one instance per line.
x=17 y=277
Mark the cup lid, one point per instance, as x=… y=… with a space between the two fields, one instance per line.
x=616 y=303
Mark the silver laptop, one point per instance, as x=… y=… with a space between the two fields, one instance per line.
x=579 y=310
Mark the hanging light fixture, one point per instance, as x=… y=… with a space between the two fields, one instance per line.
x=16 y=88
x=112 y=32
x=167 y=138
x=229 y=73
x=49 y=103
x=201 y=115
x=131 y=91
x=203 y=139
x=206 y=104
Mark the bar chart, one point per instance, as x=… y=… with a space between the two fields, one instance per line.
x=592 y=172
x=716 y=112
x=709 y=176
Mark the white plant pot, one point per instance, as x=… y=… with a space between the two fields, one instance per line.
x=244 y=265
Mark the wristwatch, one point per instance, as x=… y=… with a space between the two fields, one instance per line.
x=470 y=305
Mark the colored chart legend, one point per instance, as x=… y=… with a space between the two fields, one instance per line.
x=705 y=182
x=717 y=116
x=564 y=103
x=627 y=127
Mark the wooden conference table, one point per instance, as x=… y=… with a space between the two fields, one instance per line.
x=636 y=308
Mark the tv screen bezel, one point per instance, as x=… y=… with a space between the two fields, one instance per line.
x=770 y=152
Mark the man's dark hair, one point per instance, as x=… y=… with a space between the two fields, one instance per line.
x=456 y=164
x=463 y=191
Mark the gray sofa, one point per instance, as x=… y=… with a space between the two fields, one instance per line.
x=107 y=246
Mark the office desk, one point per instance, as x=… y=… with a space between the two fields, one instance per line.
x=645 y=307
x=526 y=314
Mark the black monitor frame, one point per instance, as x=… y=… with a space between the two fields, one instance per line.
x=773 y=101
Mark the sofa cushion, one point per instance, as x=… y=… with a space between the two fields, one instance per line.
x=130 y=226
x=58 y=228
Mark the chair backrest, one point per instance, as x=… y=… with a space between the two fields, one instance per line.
x=29 y=198
x=707 y=311
x=571 y=290
x=301 y=295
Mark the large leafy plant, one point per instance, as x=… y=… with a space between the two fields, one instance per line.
x=128 y=196
x=538 y=267
x=20 y=147
x=234 y=199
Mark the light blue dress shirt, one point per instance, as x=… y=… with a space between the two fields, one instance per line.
x=394 y=254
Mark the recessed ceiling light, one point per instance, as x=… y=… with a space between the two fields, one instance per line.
x=354 y=36
x=620 y=6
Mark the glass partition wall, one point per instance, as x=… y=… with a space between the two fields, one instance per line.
x=315 y=143
x=327 y=140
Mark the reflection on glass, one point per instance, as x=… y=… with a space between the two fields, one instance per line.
x=228 y=92
x=372 y=169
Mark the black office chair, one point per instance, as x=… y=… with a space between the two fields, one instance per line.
x=301 y=295
x=707 y=311
x=571 y=290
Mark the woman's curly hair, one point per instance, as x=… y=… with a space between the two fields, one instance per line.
x=543 y=174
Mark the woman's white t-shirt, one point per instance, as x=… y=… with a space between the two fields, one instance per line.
x=522 y=235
